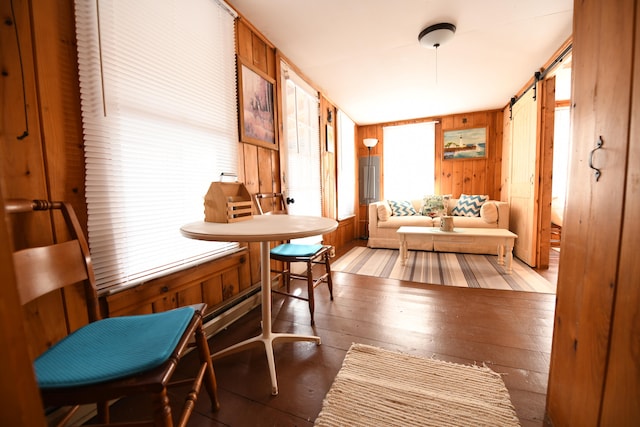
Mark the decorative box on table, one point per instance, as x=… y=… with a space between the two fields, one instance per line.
x=227 y=202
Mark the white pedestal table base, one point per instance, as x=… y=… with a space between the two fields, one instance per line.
x=267 y=338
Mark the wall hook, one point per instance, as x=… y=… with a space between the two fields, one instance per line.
x=596 y=172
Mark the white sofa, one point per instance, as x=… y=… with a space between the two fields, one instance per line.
x=383 y=226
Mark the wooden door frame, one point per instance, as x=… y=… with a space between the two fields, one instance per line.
x=547 y=106
x=21 y=402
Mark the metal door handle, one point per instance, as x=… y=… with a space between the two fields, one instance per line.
x=596 y=172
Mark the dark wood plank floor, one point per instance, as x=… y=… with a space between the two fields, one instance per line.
x=509 y=331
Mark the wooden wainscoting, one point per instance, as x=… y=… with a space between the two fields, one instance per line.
x=215 y=283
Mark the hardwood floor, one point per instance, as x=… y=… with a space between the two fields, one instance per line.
x=508 y=331
x=551 y=273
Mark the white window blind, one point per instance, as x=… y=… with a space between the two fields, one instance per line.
x=158 y=89
x=346 y=166
x=409 y=166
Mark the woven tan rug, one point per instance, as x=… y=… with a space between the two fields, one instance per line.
x=377 y=387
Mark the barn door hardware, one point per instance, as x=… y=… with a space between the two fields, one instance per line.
x=596 y=171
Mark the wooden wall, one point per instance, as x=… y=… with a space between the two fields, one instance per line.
x=259 y=165
x=594 y=377
x=471 y=176
x=48 y=163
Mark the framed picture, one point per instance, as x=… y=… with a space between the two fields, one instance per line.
x=257 y=110
x=463 y=144
x=331 y=142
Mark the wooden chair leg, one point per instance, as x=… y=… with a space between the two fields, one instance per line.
x=328 y=270
x=103 y=412
x=286 y=276
x=310 y=290
x=209 y=376
x=162 y=410
x=69 y=414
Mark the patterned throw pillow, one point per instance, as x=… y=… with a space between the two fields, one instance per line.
x=433 y=205
x=469 y=205
x=402 y=208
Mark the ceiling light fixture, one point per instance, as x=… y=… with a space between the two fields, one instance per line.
x=435 y=35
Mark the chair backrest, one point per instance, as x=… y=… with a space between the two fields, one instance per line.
x=44 y=269
x=271 y=203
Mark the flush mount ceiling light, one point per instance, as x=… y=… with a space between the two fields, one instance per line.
x=437 y=34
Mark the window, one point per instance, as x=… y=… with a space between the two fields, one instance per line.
x=346 y=166
x=159 y=110
x=409 y=160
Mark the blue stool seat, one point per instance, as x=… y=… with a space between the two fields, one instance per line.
x=294 y=250
x=112 y=348
x=310 y=255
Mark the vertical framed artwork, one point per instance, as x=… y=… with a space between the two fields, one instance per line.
x=257 y=110
x=461 y=144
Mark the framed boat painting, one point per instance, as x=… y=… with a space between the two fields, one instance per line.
x=462 y=144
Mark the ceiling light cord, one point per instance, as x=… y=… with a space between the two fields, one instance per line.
x=436 y=46
x=24 y=91
x=434 y=35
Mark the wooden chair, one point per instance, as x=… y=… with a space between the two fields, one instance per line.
x=113 y=357
x=318 y=254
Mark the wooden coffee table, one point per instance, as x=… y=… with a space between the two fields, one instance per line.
x=503 y=239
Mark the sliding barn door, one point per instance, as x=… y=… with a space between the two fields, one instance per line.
x=523 y=215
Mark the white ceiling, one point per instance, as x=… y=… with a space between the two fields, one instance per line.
x=365 y=57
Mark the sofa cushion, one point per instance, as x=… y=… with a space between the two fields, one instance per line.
x=471 y=222
x=469 y=205
x=402 y=208
x=489 y=213
x=384 y=211
x=396 y=222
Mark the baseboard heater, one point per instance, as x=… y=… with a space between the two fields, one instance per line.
x=229 y=312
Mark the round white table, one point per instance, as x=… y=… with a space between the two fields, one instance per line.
x=263 y=229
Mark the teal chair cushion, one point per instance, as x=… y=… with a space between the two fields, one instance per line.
x=112 y=348
x=291 y=249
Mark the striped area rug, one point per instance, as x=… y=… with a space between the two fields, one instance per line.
x=377 y=387
x=441 y=268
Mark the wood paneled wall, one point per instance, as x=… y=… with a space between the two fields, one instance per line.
x=594 y=377
x=479 y=176
x=469 y=176
x=48 y=163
